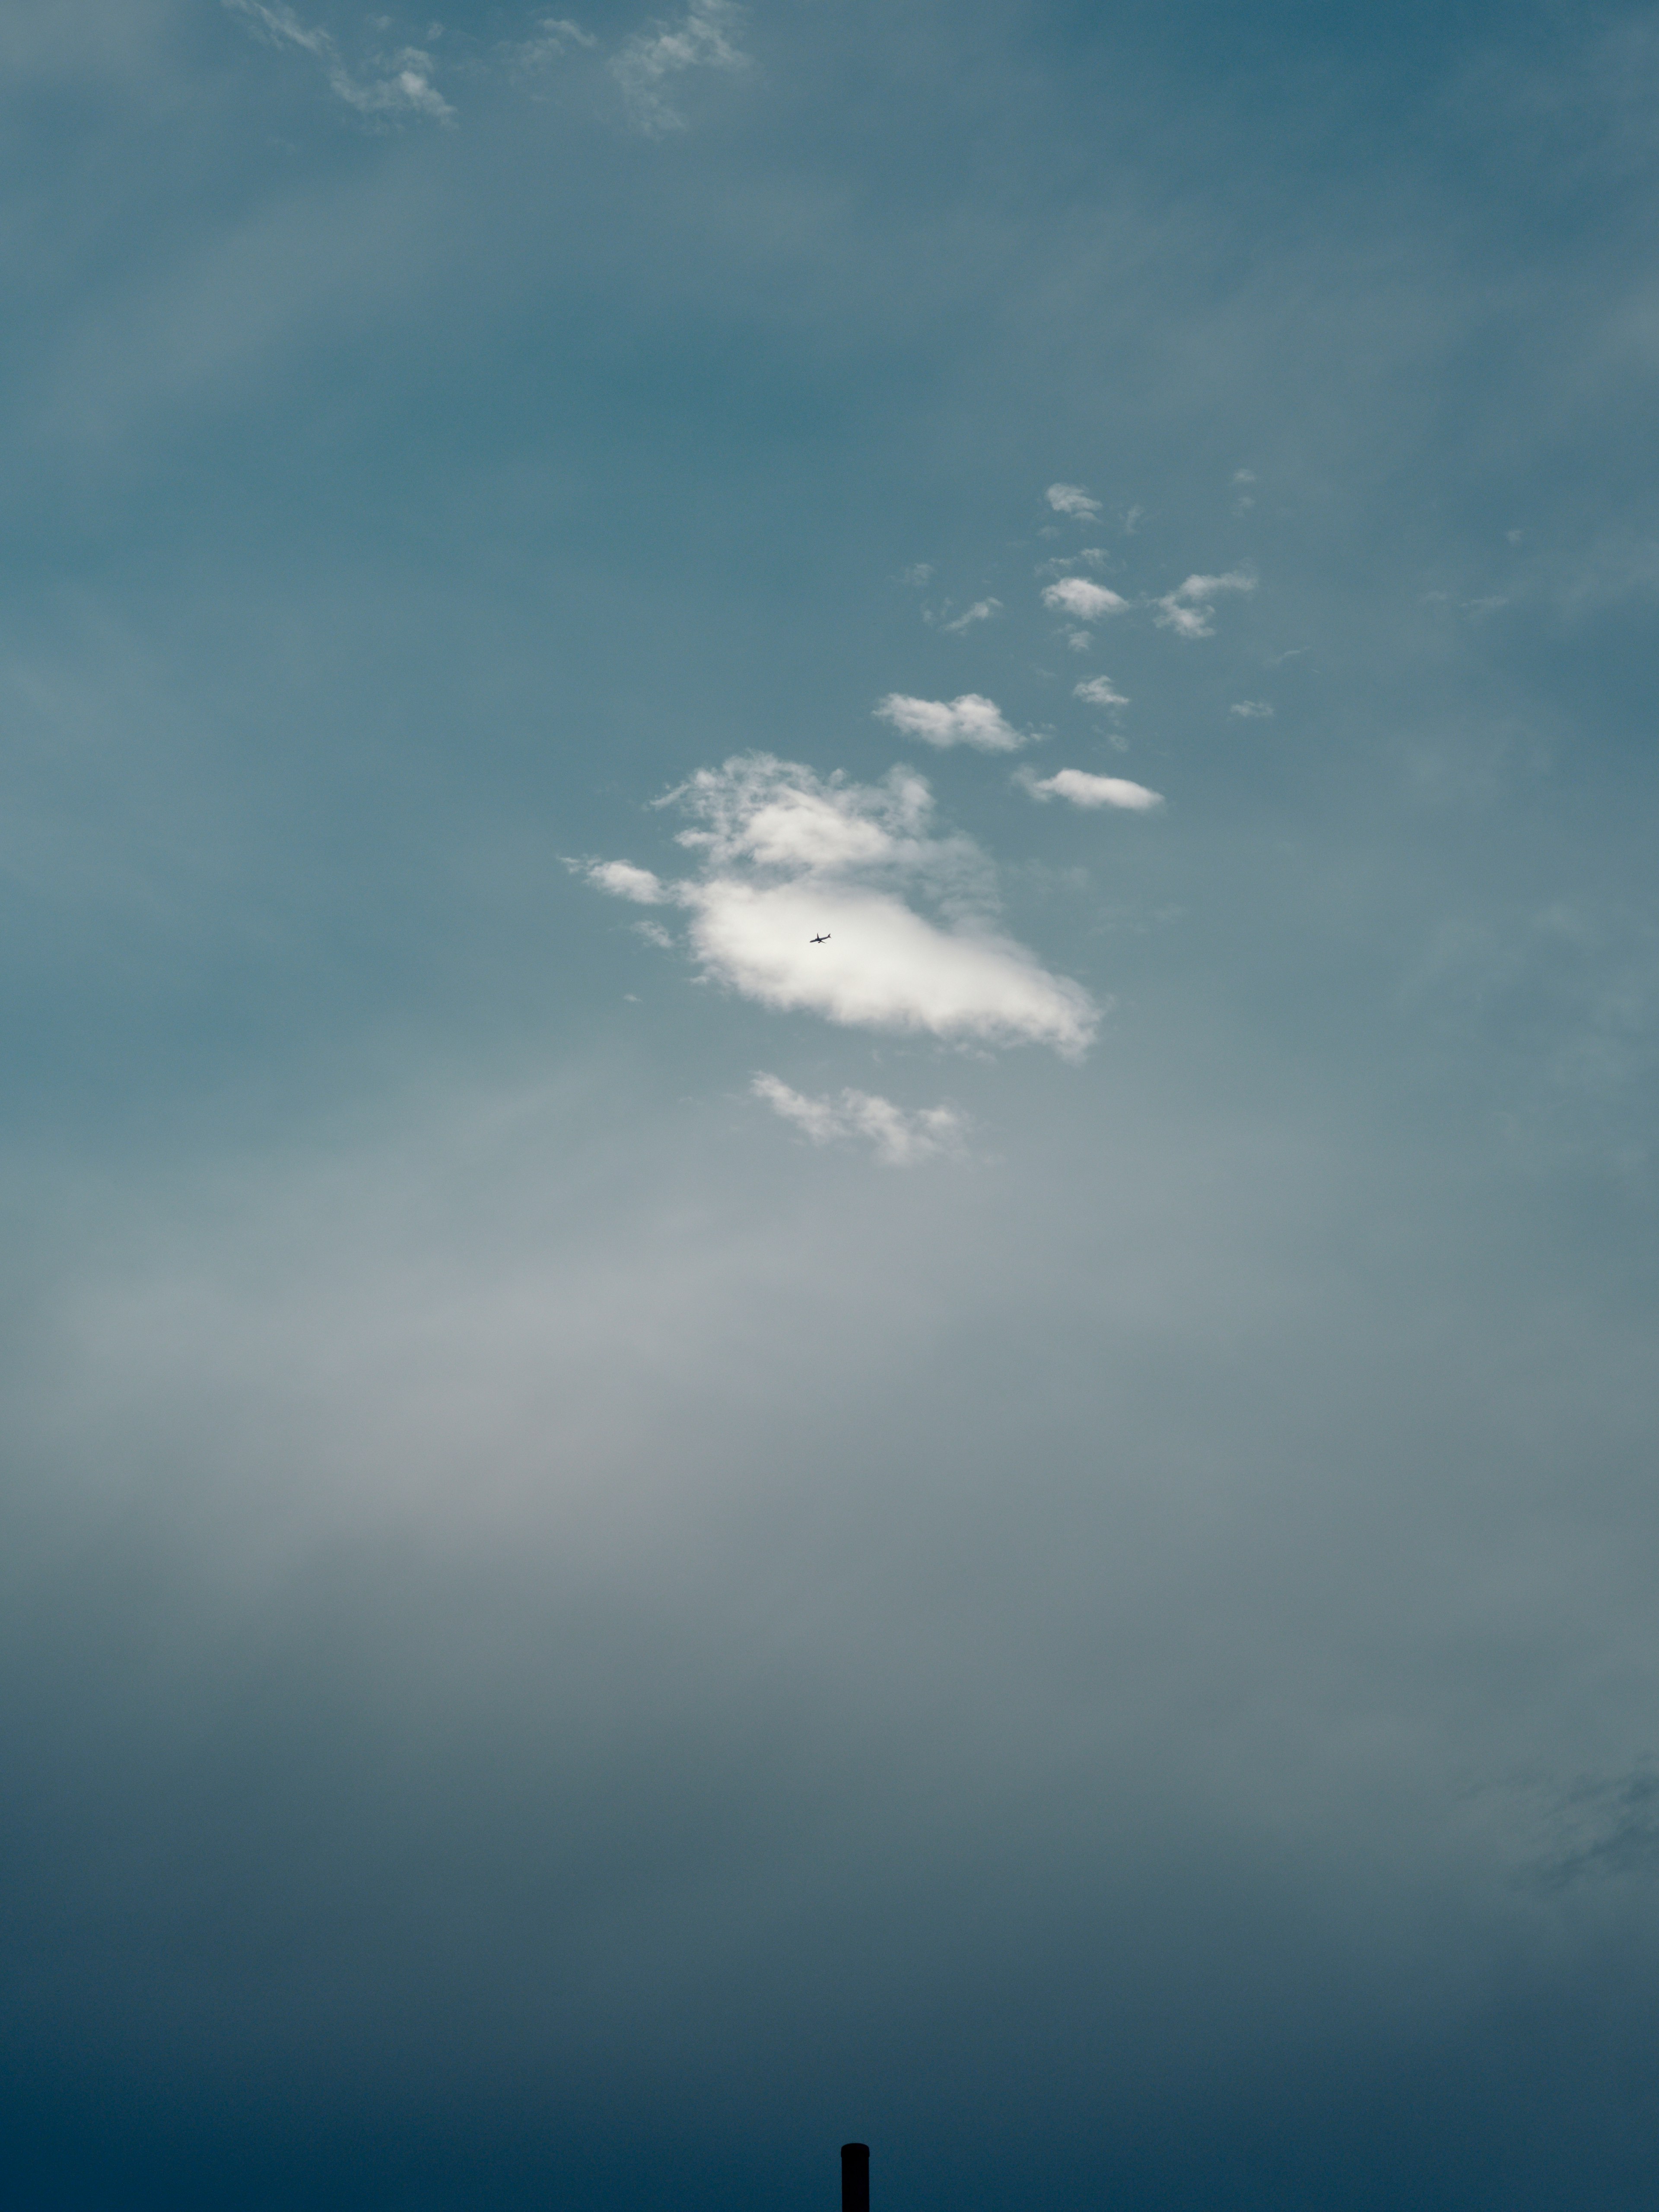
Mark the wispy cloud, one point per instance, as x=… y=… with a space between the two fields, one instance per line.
x=551 y=41
x=1189 y=609
x=969 y=721
x=653 y=59
x=397 y=83
x=1071 y=499
x=1083 y=789
x=786 y=856
x=1083 y=600
x=1099 y=691
x=901 y=1139
x=981 y=610
x=1252 y=710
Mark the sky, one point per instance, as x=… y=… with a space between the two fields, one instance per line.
x=632 y=1543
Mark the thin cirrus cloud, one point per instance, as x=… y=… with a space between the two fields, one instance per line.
x=400 y=84
x=900 y=1139
x=1071 y=499
x=1083 y=789
x=971 y=720
x=1083 y=600
x=786 y=856
x=1189 y=609
x=981 y=610
x=651 y=61
x=1099 y=691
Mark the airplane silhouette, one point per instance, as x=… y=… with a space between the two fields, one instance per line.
x=824 y=939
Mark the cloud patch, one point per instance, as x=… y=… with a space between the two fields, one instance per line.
x=1082 y=789
x=786 y=856
x=1084 y=601
x=1252 y=710
x=1189 y=609
x=649 y=62
x=400 y=84
x=971 y=720
x=981 y=610
x=1099 y=691
x=900 y=1139
x=1071 y=499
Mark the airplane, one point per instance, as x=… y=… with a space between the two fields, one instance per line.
x=824 y=939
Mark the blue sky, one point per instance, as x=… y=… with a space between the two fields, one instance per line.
x=633 y=1546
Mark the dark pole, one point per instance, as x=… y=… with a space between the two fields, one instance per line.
x=855 y=2178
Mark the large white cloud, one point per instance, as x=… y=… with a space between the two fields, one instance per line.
x=1085 y=601
x=969 y=721
x=787 y=856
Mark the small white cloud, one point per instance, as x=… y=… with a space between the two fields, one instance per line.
x=1189 y=609
x=981 y=610
x=1132 y=521
x=1071 y=499
x=1079 y=640
x=1083 y=789
x=624 y=880
x=787 y=857
x=1243 y=476
x=1083 y=600
x=969 y=721
x=901 y=1139
x=652 y=59
x=916 y=575
x=1099 y=691
x=1252 y=710
x=1514 y=536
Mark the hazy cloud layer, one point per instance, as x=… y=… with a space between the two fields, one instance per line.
x=575 y=1633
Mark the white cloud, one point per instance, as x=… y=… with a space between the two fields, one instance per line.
x=1252 y=710
x=650 y=59
x=1188 y=610
x=624 y=880
x=969 y=721
x=981 y=610
x=901 y=1139
x=1071 y=499
x=1079 y=640
x=786 y=856
x=1085 y=790
x=1085 y=602
x=398 y=84
x=1098 y=692
x=918 y=573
